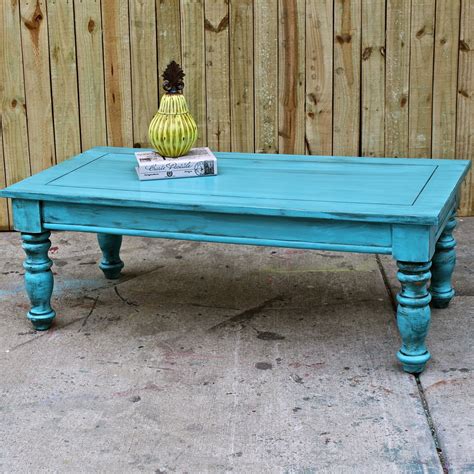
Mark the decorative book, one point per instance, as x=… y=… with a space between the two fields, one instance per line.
x=198 y=162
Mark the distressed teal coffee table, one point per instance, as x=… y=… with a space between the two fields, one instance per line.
x=402 y=207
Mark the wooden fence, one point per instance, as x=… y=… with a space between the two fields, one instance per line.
x=342 y=77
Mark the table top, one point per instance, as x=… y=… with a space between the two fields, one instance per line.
x=330 y=187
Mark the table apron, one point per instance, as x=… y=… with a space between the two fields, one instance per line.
x=280 y=231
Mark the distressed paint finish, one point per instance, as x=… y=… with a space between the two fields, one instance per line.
x=444 y=261
x=111 y=264
x=27 y=216
x=38 y=279
x=326 y=203
x=413 y=315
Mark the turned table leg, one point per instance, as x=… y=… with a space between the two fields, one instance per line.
x=111 y=264
x=413 y=315
x=444 y=261
x=38 y=279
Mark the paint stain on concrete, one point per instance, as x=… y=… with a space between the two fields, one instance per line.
x=314 y=365
x=296 y=378
x=246 y=315
x=269 y=336
x=446 y=382
x=263 y=366
x=131 y=392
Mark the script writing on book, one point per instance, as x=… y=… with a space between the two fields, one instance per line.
x=198 y=162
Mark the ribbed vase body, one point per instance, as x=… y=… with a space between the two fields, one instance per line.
x=172 y=131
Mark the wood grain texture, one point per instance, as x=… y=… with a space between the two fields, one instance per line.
x=35 y=49
x=144 y=77
x=216 y=26
x=4 y=217
x=373 y=78
x=465 y=103
x=319 y=67
x=266 y=75
x=291 y=76
x=62 y=45
x=445 y=74
x=347 y=43
x=90 y=68
x=194 y=63
x=397 y=64
x=118 y=97
x=421 y=78
x=241 y=75
x=168 y=30
x=13 y=102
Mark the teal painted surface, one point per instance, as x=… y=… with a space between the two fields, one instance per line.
x=202 y=225
x=377 y=205
x=223 y=239
x=38 y=279
x=413 y=243
x=27 y=216
x=444 y=261
x=111 y=264
x=380 y=190
x=413 y=315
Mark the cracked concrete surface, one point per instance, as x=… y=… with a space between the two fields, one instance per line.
x=220 y=358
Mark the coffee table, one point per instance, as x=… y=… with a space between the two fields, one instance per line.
x=402 y=207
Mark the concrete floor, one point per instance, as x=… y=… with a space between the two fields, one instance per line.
x=221 y=358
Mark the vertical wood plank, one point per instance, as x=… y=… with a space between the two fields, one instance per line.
x=194 y=57
x=347 y=43
x=266 y=75
x=168 y=29
x=34 y=40
x=465 y=112
x=319 y=67
x=421 y=78
x=291 y=76
x=118 y=93
x=144 y=67
x=445 y=78
x=373 y=78
x=62 y=47
x=216 y=25
x=241 y=75
x=90 y=68
x=397 y=73
x=4 y=218
x=13 y=102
